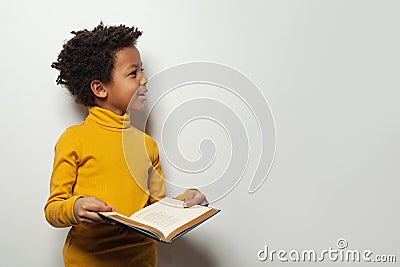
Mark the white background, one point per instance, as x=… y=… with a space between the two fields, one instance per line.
x=329 y=70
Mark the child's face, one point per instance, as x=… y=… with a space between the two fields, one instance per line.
x=127 y=82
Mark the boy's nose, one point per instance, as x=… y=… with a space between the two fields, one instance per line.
x=143 y=80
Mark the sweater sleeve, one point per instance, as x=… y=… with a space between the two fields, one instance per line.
x=156 y=183
x=59 y=209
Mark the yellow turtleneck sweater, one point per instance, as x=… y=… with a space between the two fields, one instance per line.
x=107 y=158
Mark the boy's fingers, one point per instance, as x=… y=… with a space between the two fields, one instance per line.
x=95 y=207
x=90 y=216
x=96 y=219
x=86 y=221
x=190 y=195
x=105 y=208
x=94 y=204
x=197 y=199
x=86 y=208
x=93 y=219
x=189 y=203
x=100 y=203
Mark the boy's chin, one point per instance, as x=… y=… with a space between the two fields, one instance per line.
x=136 y=108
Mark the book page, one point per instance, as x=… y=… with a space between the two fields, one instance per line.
x=168 y=215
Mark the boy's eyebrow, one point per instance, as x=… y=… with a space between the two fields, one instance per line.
x=135 y=65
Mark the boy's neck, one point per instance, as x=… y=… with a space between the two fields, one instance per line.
x=105 y=105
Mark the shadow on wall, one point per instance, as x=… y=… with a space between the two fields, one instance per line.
x=55 y=256
x=81 y=111
x=184 y=253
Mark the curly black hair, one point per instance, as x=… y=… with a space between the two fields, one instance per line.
x=90 y=55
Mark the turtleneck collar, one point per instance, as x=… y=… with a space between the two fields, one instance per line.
x=109 y=120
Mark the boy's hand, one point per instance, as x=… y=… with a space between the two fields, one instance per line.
x=194 y=197
x=85 y=209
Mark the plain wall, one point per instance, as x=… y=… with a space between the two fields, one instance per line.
x=328 y=69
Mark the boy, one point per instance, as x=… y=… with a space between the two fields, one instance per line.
x=94 y=170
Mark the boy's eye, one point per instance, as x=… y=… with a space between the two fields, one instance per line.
x=134 y=73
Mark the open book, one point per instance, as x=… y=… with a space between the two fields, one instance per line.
x=165 y=220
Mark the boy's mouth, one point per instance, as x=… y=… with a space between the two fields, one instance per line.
x=144 y=93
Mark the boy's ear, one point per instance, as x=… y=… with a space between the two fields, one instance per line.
x=98 y=89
